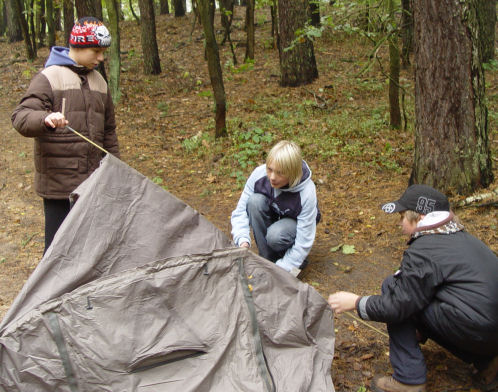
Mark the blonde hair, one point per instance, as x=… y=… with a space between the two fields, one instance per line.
x=286 y=156
x=414 y=217
x=411 y=216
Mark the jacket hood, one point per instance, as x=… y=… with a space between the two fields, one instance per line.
x=302 y=183
x=59 y=55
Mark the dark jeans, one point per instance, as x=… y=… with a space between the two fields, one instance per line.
x=55 y=213
x=405 y=354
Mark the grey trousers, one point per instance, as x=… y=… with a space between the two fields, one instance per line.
x=273 y=235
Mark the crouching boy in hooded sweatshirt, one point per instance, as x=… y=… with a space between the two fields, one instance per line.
x=68 y=91
x=279 y=203
x=446 y=289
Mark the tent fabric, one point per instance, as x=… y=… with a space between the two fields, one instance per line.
x=138 y=292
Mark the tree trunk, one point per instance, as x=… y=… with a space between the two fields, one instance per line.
x=39 y=30
x=486 y=13
x=394 y=111
x=315 y=13
x=274 y=23
x=226 y=17
x=57 y=16
x=29 y=43
x=50 y=23
x=85 y=8
x=115 y=57
x=297 y=63
x=68 y=14
x=163 y=7
x=451 y=136
x=249 y=30
x=3 y=17
x=179 y=8
x=406 y=33
x=152 y=64
x=98 y=9
x=14 y=30
x=214 y=67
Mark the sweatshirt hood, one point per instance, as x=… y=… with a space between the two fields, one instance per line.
x=302 y=183
x=59 y=55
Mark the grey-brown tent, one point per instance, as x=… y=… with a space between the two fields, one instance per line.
x=138 y=292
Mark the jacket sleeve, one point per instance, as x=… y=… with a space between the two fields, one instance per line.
x=240 y=219
x=29 y=116
x=305 y=231
x=110 y=137
x=409 y=291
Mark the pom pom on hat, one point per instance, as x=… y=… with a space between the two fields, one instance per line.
x=89 y=32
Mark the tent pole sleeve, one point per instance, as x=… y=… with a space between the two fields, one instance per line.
x=55 y=329
x=263 y=367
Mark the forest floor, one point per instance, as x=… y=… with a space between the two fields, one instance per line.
x=165 y=129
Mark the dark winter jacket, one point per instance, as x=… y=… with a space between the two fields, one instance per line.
x=64 y=160
x=452 y=273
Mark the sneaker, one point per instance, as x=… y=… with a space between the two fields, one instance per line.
x=389 y=384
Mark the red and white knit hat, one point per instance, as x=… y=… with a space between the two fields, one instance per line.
x=89 y=32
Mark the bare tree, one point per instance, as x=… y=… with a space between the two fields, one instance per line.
x=486 y=12
x=29 y=42
x=206 y=9
x=451 y=134
x=49 y=5
x=179 y=8
x=68 y=12
x=394 y=68
x=85 y=8
x=115 y=61
x=152 y=64
x=163 y=7
x=14 y=30
x=297 y=57
x=249 y=30
x=314 y=12
x=406 y=32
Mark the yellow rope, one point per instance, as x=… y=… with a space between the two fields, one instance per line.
x=365 y=323
x=88 y=140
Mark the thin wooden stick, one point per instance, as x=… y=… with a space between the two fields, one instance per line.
x=63 y=106
x=365 y=323
x=88 y=140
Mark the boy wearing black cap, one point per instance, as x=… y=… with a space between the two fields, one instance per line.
x=446 y=289
x=68 y=91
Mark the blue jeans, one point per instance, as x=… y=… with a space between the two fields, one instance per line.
x=273 y=235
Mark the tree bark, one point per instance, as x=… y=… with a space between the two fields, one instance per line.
x=115 y=49
x=179 y=8
x=214 y=67
x=451 y=135
x=3 y=17
x=152 y=64
x=394 y=67
x=249 y=30
x=315 y=13
x=85 y=8
x=406 y=33
x=50 y=23
x=14 y=31
x=29 y=43
x=297 y=64
x=39 y=30
x=68 y=12
x=163 y=7
x=486 y=13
